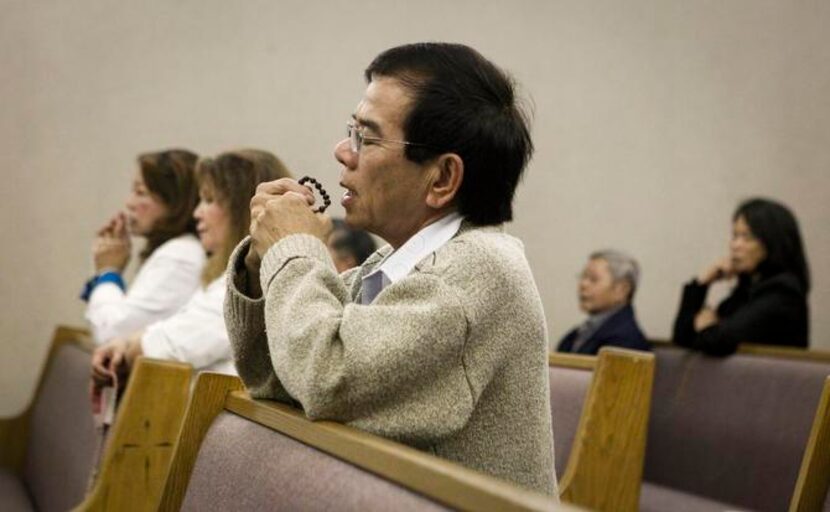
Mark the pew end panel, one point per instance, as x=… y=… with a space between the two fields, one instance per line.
x=605 y=465
x=140 y=445
x=206 y=401
x=814 y=476
x=15 y=430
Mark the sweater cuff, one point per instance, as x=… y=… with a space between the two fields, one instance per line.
x=238 y=303
x=290 y=247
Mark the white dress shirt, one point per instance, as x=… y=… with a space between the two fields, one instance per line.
x=196 y=334
x=162 y=286
x=400 y=263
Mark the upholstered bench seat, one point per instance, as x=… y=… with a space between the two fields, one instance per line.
x=13 y=495
x=568 y=388
x=311 y=480
x=730 y=429
x=656 y=498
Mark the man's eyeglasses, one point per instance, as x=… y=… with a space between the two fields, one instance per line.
x=356 y=138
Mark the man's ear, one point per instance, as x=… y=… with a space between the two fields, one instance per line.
x=625 y=288
x=447 y=175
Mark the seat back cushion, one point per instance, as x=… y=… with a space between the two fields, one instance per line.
x=731 y=429
x=244 y=466
x=63 y=439
x=568 y=389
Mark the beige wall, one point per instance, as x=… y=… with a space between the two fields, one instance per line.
x=653 y=119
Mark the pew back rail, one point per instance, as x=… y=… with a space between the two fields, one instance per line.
x=439 y=480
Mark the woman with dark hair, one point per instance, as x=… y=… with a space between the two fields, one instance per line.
x=196 y=334
x=159 y=209
x=349 y=247
x=769 y=303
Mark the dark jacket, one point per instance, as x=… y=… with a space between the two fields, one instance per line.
x=769 y=311
x=619 y=330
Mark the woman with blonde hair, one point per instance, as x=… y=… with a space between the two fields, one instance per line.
x=197 y=334
x=160 y=210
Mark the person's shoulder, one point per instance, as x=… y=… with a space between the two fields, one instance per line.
x=185 y=246
x=622 y=329
x=478 y=251
x=486 y=242
x=783 y=283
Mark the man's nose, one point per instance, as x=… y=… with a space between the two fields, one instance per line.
x=343 y=153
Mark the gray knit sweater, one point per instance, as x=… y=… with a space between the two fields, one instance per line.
x=452 y=359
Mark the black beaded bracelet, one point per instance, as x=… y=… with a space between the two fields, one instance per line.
x=320 y=189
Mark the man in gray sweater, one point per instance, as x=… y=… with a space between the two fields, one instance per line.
x=439 y=339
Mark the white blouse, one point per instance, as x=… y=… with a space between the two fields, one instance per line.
x=162 y=286
x=196 y=334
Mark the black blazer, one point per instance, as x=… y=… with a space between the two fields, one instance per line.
x=619 y=330
x=771 y=311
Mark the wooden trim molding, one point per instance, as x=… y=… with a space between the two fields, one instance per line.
x=814 y=476
x=753 y=349
x=568 y=360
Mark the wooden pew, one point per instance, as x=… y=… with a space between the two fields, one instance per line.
x=140 y=445
x=600 y=407
x=244 y=454
x=782 y=351
x=811 y=488
x=48 y=451
x=751 y=430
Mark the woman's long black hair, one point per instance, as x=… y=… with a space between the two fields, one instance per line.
x=776 y=227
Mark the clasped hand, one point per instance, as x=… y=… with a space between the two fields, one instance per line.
x=111 y=249
x=281 y=208
x=719 y=270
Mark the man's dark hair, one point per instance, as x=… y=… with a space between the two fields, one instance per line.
x=777 y=229
x=463 y=104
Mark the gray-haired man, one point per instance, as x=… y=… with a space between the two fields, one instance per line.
x=606 y=289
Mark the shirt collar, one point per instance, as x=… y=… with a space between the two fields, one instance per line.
x=398 y=264
x=596 y=320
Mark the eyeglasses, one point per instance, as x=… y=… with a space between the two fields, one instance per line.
x=356 y=138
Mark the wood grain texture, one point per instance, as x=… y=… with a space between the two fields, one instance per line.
x=14 y=431
x=779 y=351
x=140 y=446
x=568 y=360
x=605 y=467
x=207 y=400
x=441 y=480
x=814 y=475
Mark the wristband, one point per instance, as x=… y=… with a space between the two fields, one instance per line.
x=105 y=277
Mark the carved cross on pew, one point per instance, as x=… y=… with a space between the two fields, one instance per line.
x=146 y=447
